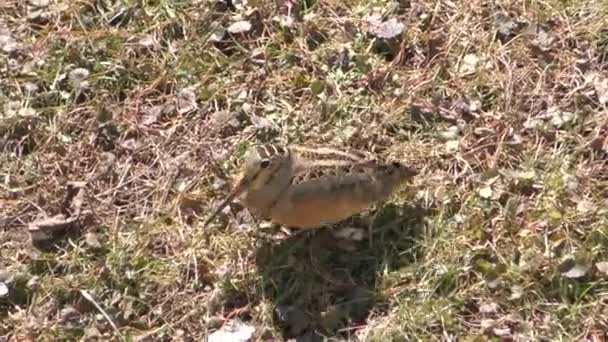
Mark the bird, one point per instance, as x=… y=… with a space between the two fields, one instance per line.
x=307 y=187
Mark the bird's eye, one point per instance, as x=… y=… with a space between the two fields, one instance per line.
x=265 y=163
x=396 y=165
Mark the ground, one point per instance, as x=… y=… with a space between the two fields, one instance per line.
x=123 y=123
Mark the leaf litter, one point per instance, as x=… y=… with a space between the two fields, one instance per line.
x=424 y=82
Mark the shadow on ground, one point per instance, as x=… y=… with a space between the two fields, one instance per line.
x=322 y=285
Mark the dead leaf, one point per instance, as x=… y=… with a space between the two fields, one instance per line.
x=373 y=21
x=516 y=292
x=78 y=78
x=488 y=308
x=572 y=269
x=39 y=3
x=602 y=266
x=239 y=27
x=559 y=118
x=104 y=166
x=452 y=133
x=600 y=84
x=487 y=323
x=217 y=35
x=388 y=29
x=151 y=114
x=9 y=46
x=46 y=228
x=485 y=192
x=452 y=146
x=3 y=290
x=92 y=240
x=186 y=101
x=68 y=314
x=502 y=332
x=148 y=41
x=520 y=175
x=469 y=64
x=262 y=123
x=595 y=336
x=233 y=331
x=585 y=207
x=577 y=271
x=539 y=37
x=350 y=233
x=77 y=201
x=505 y=26
x=484 y=131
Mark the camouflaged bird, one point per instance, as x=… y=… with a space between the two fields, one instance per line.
x=309 y=187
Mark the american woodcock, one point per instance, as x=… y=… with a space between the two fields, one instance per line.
x=308 y=187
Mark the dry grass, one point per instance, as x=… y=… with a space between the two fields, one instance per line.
x=502 y=236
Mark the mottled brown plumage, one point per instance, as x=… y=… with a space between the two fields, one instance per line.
x=308 y=187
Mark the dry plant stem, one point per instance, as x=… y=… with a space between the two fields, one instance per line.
x=105 y=315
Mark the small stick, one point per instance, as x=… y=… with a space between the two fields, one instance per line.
x=90 y=298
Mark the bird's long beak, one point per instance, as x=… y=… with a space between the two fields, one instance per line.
x=236 y=191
